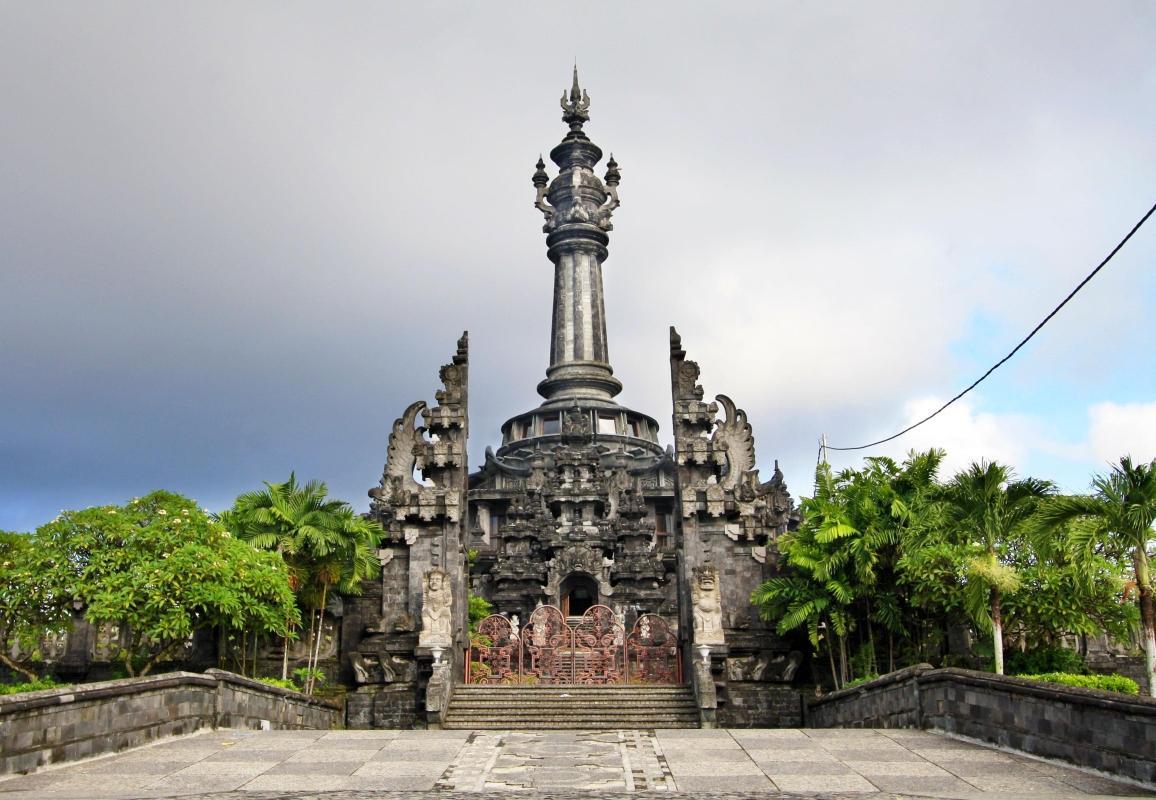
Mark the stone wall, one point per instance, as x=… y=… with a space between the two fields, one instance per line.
x=759 y=705
x=393 y=706
x=58 y=725
x=1107 y=731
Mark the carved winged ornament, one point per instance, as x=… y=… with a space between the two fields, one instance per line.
x=734 y=436
x=401 y=458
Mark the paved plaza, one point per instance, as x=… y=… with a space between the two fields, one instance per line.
x=350 y=765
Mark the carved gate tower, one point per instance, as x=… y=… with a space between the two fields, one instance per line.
x=580 y=506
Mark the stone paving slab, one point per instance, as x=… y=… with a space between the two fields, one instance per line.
x=564 y=765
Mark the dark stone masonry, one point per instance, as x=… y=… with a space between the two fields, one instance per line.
x=579 y=511
x=1106 y=731
x=59 y=725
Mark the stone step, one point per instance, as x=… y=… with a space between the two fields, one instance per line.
x=615 y=691
x=580 y=702
x=556 y=725
x=507 y=707
x=571 y=712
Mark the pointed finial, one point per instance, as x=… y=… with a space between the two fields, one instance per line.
x=613 y=176
x=575 y=109
x=540 y=178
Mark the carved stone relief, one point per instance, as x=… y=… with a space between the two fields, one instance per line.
x=708 y=623
x=579 y=558
x=436 y=610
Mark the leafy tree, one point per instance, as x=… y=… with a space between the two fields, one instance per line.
x=325 y=545
x=843 y=560
x=30 y=609
x=815 y=594
x=160 y=566
x=983 y=510
x=1116 y=520
x=1060 y=595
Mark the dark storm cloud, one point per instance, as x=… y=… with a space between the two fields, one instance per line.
x=237 y=240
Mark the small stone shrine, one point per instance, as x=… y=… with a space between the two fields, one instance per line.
x=581 y=524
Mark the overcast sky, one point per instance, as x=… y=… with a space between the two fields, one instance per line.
x=237 y=239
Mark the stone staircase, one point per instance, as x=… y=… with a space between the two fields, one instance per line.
x=475 y=707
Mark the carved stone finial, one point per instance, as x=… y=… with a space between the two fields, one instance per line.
x=576 y=110
x=613 y=176
x=540 y=181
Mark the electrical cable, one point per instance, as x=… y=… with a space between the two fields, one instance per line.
x=1015 y=349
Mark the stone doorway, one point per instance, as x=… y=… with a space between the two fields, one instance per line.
x=579 y=593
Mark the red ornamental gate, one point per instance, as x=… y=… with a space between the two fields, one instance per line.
x=595 y=651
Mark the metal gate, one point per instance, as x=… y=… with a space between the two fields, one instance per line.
x=596 y=650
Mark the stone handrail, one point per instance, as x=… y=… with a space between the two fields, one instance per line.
x=69 y=723
x=1107 y=731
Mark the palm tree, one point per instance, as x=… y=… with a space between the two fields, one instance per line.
x=983 y=509
x=324 y=543
x=843 y=558
x=1118 y=518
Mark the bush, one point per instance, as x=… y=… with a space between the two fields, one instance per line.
x=304 y=674
x=1105 y=683
x=1040 y=660
x=30 y=686
x=860 y=681
x=281 y=683
x=479 y=609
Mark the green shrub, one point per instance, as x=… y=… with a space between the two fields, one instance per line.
x=303 y=674
x=30 y=686
x=281 y=683
x=1105 y=683
x=859 y=681
x=1040 y=660
x=479 y=609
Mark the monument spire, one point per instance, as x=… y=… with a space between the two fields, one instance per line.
x=577 y=207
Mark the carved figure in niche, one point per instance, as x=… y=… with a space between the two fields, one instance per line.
x=708 y=626
x=436 y=607
x=764 y=666
x=687 y=377
x=576 y=424
x=370 y=668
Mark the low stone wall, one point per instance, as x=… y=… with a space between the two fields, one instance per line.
x=391 y=706
x=1107 y=731
x=59 y=725
x=759 y=705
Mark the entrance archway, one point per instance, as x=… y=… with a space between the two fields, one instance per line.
x=579 y=593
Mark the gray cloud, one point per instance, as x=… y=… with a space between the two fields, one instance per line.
x=238 y=239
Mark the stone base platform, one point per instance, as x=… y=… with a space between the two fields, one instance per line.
x=748 y=763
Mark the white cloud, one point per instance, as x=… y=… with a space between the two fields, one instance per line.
x=1118 y=429
x=969 y=435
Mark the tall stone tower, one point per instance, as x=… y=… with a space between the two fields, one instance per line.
x=580 y=509
x=576 y=507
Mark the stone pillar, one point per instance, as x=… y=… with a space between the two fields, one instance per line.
x=577 y=206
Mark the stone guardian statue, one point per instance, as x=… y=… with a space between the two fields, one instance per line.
x=708 y=626
x=436 y=608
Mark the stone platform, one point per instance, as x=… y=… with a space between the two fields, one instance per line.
x=352 y=765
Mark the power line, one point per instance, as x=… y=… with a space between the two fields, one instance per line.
x=1015 y=349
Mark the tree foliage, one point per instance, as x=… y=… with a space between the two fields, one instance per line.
x=32 y=606
x=323 y=543
x=160 y=567
x=887 y=561
x=1115 y=522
